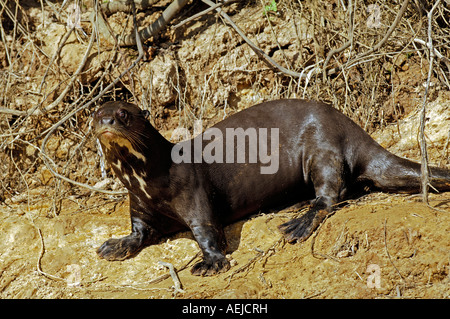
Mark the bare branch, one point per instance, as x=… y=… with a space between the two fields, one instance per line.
x=195 y=16
x=123 y=6
x=423 y=143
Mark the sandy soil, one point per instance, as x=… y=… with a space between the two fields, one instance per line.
x=405 y=240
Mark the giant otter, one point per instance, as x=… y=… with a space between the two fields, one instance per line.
x=315 y=153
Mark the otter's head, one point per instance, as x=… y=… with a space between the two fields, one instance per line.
x=122 y=126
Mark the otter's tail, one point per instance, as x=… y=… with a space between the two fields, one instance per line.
x=400 y=175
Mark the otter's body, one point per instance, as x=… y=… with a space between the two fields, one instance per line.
x=304 y=151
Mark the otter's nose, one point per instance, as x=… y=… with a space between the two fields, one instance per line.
x=107 y=120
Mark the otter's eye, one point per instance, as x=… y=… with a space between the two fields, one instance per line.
x=122 y=114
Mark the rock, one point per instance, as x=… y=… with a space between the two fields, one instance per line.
x=159 y=76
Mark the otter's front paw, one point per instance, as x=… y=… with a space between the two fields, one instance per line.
x=210 y=266
x=120 y=249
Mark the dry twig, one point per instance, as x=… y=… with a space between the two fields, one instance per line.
x=174 y=276
x=423 y=144
x=41 y=254
x=387 y=251
x=74 y=76
x=200 y=14
x=111 y=7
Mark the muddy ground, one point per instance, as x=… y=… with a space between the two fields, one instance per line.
x=379 y=246
x=405 y=240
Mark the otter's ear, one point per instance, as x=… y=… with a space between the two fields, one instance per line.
x=146 y=114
